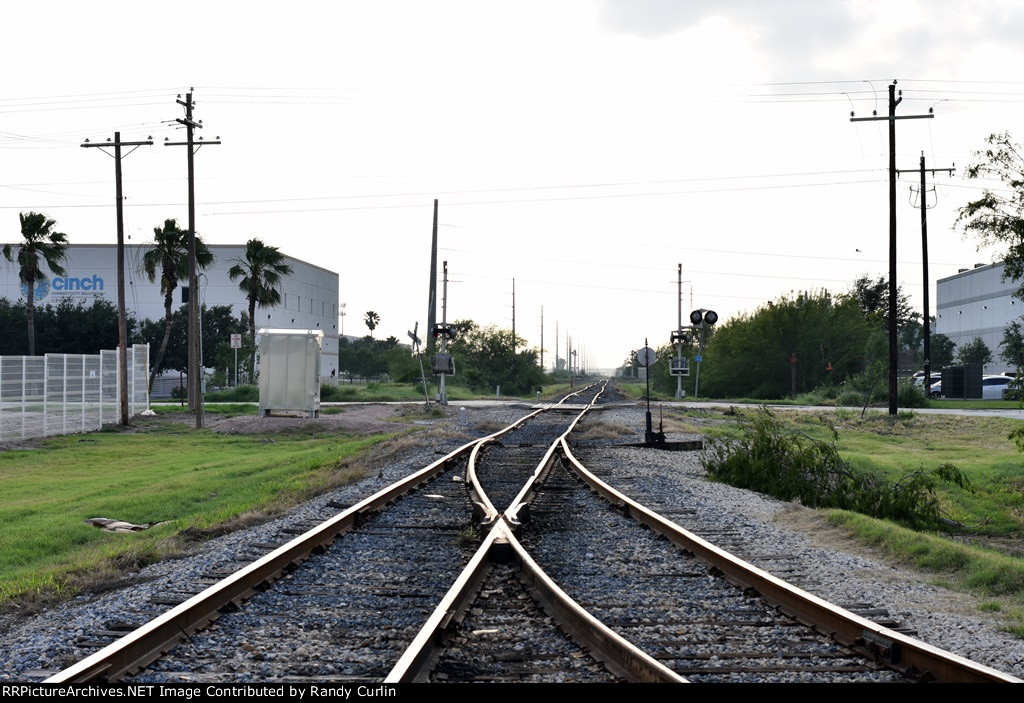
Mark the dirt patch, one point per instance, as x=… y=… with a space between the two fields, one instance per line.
x=355 y=419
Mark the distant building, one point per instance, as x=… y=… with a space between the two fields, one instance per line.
x=309 y=296
x=978 y=303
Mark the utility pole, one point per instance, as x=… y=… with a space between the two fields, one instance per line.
x=122 y=327
x=924 y=265
x=513 y=317
x=194 y=362
x=542 y=337
x=443 y=397
x=893 y=102
x=556 y=345
x=432 y=292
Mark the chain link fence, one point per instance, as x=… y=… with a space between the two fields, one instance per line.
x=55 y=394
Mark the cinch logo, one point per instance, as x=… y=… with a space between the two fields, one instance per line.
x=41 y=291
x=67 y=284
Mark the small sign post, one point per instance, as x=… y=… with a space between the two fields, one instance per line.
x=236 y=344
x=647 y=357
x=416 y=348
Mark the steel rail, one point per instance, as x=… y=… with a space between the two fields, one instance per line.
x=620 y=657
x=419 y=657
x=145 y=644
x=517 y=511
x=485 y=513
x=899 y=651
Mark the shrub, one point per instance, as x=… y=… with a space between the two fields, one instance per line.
x=239 y=394
x=790 y=465
x=911 y=395
x=850 y=399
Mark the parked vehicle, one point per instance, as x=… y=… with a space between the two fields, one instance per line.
x=992 y=388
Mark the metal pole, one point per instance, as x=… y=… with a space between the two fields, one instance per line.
x=84 y=395
x=24 y=390
x=700 y=355
x=64 y=394
x=442 y=395
x=647 y=368
x=679 y=329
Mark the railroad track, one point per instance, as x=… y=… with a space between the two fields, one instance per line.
x=353 y=599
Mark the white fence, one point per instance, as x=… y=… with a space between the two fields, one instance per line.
x=57 y=394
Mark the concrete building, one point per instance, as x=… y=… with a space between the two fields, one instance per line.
x=978 y=303
x=309 y=296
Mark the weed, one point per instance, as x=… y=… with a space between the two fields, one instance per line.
x=1015 y=630
x=791 y=465
x=468 y=536
x=603 y=430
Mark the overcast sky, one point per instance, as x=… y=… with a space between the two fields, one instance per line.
x=583 y=148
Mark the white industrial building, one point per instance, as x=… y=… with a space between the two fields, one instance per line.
x=978 y=303
x=309 y=296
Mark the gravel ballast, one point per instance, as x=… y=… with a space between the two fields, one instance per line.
x=36 y=646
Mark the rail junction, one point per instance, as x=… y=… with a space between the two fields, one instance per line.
x=506 y=560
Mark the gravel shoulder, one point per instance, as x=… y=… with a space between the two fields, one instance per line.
x=842 y=571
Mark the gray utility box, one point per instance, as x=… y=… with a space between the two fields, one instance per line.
x=289 y=363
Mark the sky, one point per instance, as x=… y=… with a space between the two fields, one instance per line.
x=579 y=150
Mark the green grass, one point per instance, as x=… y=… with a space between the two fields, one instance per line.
x=981 y=553
x=982 y=571
x=191 y=481
x=374 y=392
x=638 y=390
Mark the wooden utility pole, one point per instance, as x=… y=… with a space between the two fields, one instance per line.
x=924 y=265
x=542 y=337
x=122 y=326
x=893 y=102
x=432 y=294
x=513 y=317
x=195 y=386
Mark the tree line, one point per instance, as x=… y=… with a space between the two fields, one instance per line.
x=485 y=358
x=813 y=340
x=816 y=340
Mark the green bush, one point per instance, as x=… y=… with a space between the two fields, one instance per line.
x=850 y=399
x=911 y=395
x=239 y=394
x=791 y=465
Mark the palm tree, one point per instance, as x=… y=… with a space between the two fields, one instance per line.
x=371 y=319
x=261 y=272
x=40 y=240
x=169 y=256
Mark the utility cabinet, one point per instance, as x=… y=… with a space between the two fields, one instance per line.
x=289 y=367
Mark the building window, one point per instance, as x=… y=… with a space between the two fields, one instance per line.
x=184 y=294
